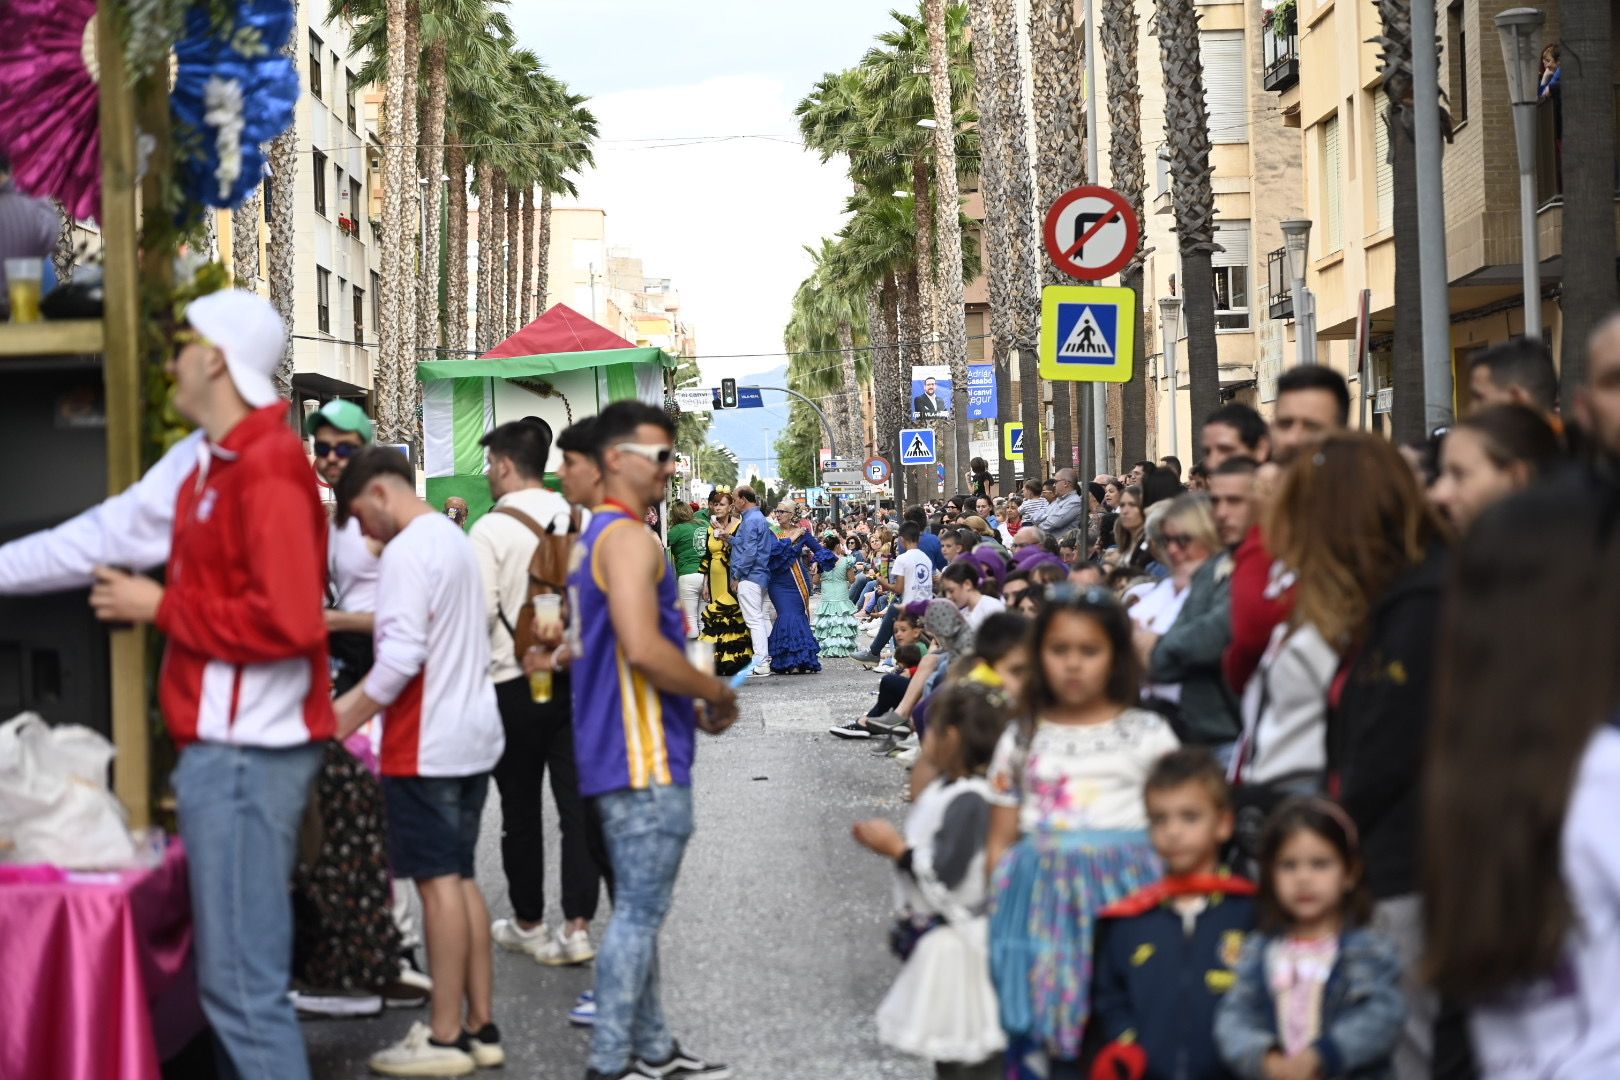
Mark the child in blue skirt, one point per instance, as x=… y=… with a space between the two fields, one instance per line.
x=1068 y=833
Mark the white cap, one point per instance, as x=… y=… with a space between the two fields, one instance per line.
x=249 y=332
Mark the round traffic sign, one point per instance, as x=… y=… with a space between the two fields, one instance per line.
x=1091 y=232
x=877 y=471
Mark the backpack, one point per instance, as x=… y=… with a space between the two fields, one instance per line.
x=548 y=573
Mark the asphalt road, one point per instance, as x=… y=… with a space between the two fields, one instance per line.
x=774 y=955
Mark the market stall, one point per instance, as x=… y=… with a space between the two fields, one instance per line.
x=561 y=367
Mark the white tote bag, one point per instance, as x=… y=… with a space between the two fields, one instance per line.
x=54 y=803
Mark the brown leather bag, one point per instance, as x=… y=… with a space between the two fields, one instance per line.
x=548 y=574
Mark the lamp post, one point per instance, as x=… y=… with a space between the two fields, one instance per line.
x=1170 y=332
x=1297 y=243
x=1520 y=29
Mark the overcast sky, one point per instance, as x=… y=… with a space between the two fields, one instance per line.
x=726 y=220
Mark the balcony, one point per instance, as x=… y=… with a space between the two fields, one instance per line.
x=1280 y=55
x=1278 y=285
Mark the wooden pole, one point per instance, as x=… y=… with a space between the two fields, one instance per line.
x=122 y=371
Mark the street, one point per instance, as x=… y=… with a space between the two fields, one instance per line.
x=775 y=955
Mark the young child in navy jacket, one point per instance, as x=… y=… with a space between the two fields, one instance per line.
x=1166 y=954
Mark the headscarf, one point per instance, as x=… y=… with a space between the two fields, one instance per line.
x=988 y=560
x=1029 y=558
x=950 y=631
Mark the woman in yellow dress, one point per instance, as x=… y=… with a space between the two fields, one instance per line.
x=722 y=614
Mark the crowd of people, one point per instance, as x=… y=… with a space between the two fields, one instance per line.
x=1302 y=768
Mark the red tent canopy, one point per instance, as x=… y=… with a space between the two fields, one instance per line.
x=559 y=330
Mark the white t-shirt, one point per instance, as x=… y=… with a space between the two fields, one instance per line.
x=915 y=569
x=351 y=568
x=986 y=607
x=504 y=546
x=1080 y=776
x=432 y=667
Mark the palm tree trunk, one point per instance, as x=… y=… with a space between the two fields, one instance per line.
x=1186 y=125
x=909 y=310
x=410 y=272
x=455 y=293
x=948 y=230
x=245 y=241
x=1117 y=39
x=1589 y=182
x=526 y=292
x=499 y=261
x=514 y=255
x=398 y=105
x=543 y=256
x=1059 y=129
x=1408 y=422
x=433 y=167
x=487 y=314
x=854 y=415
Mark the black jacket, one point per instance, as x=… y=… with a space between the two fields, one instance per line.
x=1379 y=729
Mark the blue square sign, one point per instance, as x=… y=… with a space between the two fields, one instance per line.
x=917 y=446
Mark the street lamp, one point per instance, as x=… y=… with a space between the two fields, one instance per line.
x=1170 y=330
x=1520 y=29
x=1297 y=243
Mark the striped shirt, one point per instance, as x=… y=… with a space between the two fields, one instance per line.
x=627 y=734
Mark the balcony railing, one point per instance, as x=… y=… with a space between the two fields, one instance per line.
x=1278 y=285
x=1549 y=149
x=1281 y=55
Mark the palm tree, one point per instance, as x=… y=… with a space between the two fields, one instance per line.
x=1059 y=134
x=1186 y=130
x=948 y=199
x=245 y=240
x=1589 y=248
x=1017 y=247
x=879 y=243
x=1408 y=422
x=1117 y=38
x=399 y=114
x=284 y=158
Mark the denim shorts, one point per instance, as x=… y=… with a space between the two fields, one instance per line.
x=433 y=824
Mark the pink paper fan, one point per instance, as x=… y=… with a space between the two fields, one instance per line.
x=50 y=128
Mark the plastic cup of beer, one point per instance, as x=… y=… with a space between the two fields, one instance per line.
x=547 y=613
x=24 y=280
x=540 y=685
x=700 y=654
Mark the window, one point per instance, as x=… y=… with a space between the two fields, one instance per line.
x=1162 y=170
x=348 y=93
x=1332 y=187
x=1224 y=90
x=323 y=300
x=359 y=315
x=354 y=203
x=1383 y=169
x=376 y=298
x=315 y=65
x=1456 y=62
x=975 y=335
x=1231 y=275
x=320 y=183
x=343 y=290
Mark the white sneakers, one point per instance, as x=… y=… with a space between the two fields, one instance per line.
x=560 y=949
x=417 y=1055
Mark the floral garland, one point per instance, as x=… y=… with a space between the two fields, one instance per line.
x=235 y=92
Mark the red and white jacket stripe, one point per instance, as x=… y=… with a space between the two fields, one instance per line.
x=246 y=661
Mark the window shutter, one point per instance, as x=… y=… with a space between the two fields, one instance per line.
x=1383 y=171
x=1162 y=169
x=1234 y=237
x=1222 y=54
x=1332 y=186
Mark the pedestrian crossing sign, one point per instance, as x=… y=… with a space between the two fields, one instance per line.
x=1088 y=333
x=1012 y=441
x=917 y=446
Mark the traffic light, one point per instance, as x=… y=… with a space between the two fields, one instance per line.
x=728 y=393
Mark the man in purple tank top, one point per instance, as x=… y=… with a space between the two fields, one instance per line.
x=634 y=728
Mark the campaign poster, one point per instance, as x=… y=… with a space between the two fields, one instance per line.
x=930 y=392
x=982 y=391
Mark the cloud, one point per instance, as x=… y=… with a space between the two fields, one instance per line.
x=726 y=218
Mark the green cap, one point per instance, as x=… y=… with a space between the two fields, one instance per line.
x=343 y=415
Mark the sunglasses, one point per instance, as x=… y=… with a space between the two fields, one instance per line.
x=344 y=451
x=656 y=453
x=1176 y=540
x=1091 y=595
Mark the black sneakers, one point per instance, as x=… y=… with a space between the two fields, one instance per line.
x=683 y=1066
x=852 y=730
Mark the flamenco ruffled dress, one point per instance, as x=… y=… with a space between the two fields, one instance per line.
x=834 y=622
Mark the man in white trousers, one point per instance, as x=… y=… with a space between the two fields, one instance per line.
x=751 y=566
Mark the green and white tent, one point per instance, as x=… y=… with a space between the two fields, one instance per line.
x=562 y=367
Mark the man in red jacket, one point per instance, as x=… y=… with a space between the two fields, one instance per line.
x=244 y=687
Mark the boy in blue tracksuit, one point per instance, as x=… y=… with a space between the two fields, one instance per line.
x=1166 y=954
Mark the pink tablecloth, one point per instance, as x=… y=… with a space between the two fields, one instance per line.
x=96 y=976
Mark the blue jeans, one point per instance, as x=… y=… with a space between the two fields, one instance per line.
x=886 y=630
x=646 y=833
x=239 y=812
x=858 y=589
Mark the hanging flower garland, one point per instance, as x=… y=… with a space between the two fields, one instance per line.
x=235 y=92
x=50 y=126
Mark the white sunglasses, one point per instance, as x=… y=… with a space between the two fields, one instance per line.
x=656 y=453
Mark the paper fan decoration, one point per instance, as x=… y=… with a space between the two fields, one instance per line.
x=234 y=92
x=50 y=128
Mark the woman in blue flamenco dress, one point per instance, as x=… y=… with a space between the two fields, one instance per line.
x=794 y=650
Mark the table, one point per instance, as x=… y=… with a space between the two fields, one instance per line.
x=96 y=973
